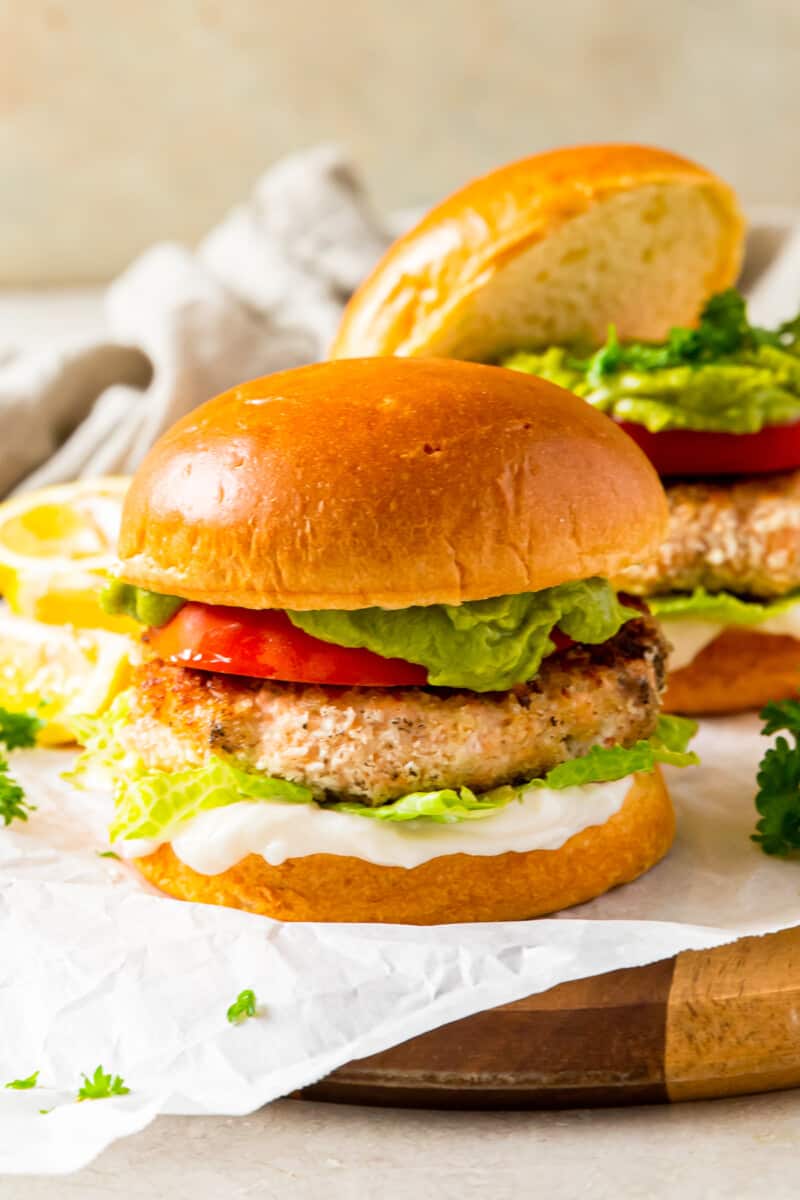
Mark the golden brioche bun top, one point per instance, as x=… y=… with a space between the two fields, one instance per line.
x=551 y=249
x=387 y=482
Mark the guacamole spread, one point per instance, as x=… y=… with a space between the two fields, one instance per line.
x=148 y=608
x=725 y=376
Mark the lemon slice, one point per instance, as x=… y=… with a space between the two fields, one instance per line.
x=58 y=672
x=56 y=547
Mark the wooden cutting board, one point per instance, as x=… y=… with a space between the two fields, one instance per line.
x=702 y=1024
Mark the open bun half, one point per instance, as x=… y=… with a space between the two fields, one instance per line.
x=552 y=249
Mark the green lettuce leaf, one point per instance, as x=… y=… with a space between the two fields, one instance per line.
x=154 y=804
x=444 y=806
x=720 y=607
x=147 y=804
x=484 y=645
x=669 y=744
x=725 y=376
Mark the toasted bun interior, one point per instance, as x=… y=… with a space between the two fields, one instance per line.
x=550 y=249
x=741 y=669
x=387 y=482
x=451 y=889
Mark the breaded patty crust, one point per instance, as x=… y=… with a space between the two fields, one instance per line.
x=742 y=536
x=375 y=744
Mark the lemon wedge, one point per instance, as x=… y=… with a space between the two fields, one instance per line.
x=56 y=547
x=59 y=673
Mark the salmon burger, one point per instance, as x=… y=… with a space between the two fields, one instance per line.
x=384 y=674
x=607 y=269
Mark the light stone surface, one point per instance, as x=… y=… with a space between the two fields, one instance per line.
x=122 y=125
x=743 y=1149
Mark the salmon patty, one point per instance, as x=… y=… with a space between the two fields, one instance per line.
x=375 y=744
x=742 y=537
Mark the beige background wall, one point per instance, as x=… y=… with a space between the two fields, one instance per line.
x=123 y=122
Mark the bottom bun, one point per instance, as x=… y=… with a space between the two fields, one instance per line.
x=740 y=669
x=452 y=888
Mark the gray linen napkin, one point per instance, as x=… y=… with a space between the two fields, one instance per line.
x=263 y=291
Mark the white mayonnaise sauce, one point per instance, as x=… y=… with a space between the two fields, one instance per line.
x=543 y=819
x=689 y=637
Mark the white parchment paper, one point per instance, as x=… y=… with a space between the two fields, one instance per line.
x=97 y=967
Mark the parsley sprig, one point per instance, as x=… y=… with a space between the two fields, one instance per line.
x=13 y=805
x=17 y=731
x=723 y=329
x=244 y=1006
x=101 y=1086
x=778 y=778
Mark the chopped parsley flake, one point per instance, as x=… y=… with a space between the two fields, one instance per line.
x=101 y=1086
x=23 y=1085
x=244 y=1006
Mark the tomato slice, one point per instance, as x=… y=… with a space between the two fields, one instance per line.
x=266 y=645
x=692 y=453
